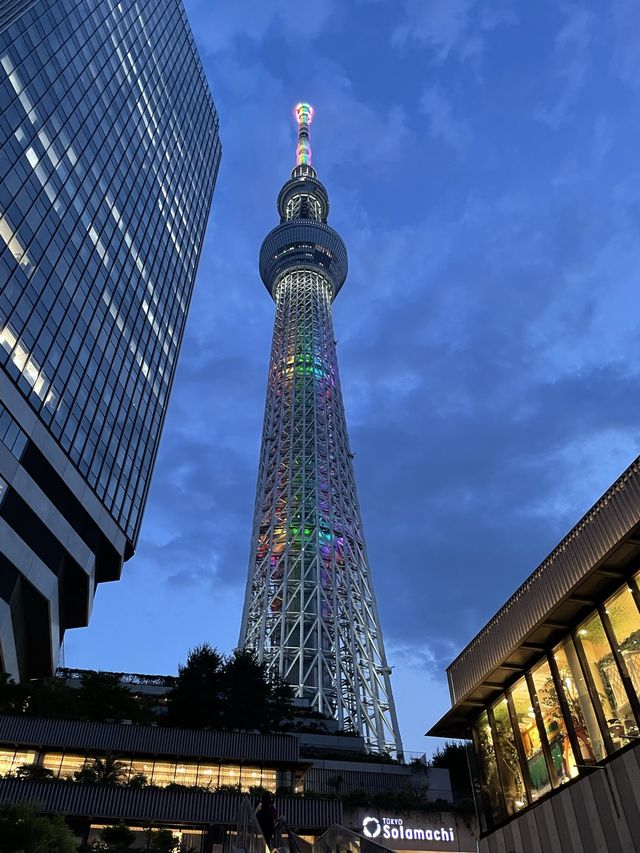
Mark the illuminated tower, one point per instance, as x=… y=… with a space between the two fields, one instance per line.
x=310 y=611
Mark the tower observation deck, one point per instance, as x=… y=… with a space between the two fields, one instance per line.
x=310 y=612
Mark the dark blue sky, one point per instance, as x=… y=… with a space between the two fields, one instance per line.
x=483 y=169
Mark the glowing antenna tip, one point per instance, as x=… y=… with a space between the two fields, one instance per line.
x=304 y=116
x=303 y=113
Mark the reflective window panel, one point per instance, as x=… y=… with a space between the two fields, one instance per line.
x=489 y=779
x=554 y=725
x=530 y=739
x=625 y=621
x=511 y=772
x=606 y=677
x=583 y=717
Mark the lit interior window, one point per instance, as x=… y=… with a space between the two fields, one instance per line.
x=625 y=621
x=562 y=755
x=530 y=738
x=10 y=239
x=609 y=686
x=27 y=365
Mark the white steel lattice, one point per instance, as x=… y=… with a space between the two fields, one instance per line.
x=310 y=610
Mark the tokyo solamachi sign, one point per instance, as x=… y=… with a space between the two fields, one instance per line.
x=394 y=828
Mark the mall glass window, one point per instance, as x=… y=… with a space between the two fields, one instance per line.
x=607 y=680
x=142 y=767
x=625 y=621
x=163 y=773
x=187 y=774
x=583 y=715
x=554 y=725
x=208 y=775
x=489 y=779
x=63 y=765
x=11 y=759
x=509 y=768
x=156 y=772
x=536 y=765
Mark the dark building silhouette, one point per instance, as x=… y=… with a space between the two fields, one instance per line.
x=109 y=152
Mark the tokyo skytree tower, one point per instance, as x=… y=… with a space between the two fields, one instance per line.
x=310 y=611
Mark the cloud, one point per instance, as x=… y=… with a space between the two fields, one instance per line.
x=485 y=389
x=352 y=132
x=571 y=62
x=452 y=29
x=253 y=20
x=417 y=671
x=626 y=41
x=443 y=124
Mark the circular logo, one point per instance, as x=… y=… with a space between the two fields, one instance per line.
x=371 y=827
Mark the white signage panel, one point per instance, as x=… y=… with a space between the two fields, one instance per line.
x=424 y=832
x=390 y=828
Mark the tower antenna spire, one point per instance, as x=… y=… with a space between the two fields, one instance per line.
x=304 y=116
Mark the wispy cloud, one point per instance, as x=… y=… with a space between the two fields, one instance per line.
x=626 y=41
x=451 y=29
x=218 y=30
x=443 y=123
x=571 y=63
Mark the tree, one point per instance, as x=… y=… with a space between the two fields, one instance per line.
x=211 y=692
x=103 y=771
x=453 y=757
x=252 y=701
x=138 y=780
x=52 y=697
x=13 y=697
x=34 y=773
x=195 y=699
x=162 y=841
x=23 y=830
x=115 y=839
x=102 y=696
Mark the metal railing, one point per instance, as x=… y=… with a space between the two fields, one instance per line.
x=248 y=835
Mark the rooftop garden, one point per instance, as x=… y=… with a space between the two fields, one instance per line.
x=211 y=691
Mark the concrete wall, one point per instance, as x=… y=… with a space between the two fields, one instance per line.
x=599 y=813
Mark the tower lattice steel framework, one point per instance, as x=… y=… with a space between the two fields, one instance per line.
x=310 y=611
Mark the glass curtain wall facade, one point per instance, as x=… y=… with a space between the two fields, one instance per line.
x=576 y=706
x=109 y=152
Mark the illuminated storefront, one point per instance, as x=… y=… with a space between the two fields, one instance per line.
x=548 y=693
x=576 y=706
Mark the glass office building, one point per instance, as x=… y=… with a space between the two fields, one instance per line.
x=109 y=152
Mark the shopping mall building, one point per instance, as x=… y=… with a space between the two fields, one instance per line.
x=197 y=785
x=549 y=694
